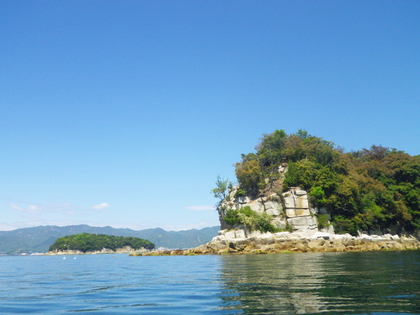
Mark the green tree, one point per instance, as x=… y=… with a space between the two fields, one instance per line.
x=222 y=188
x=250 y=219
x=249 y=175
x=269 y=150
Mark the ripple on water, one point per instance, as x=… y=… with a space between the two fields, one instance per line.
x=335 y=283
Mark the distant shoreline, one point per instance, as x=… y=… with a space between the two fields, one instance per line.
x=125 y=250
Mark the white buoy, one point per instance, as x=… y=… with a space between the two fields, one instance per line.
x=64 y=257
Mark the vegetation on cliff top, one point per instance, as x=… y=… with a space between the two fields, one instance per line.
x=86 y=242
x=375 y=189
x=250 y=219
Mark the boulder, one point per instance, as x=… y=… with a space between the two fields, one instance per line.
x=273 y=212
x=282 y=235
x=316 y=243
x=266 y=238
x=322 y=235
x=300 y=247
x=279 y=223
x=303 y=223
x=230 y=235
x=240 y=234
x=256 y=206
x=272 y=208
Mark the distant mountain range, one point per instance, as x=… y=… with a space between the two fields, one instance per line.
x=38 y=239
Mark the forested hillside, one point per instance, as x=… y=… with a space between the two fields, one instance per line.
x=86 y=242
x=376 y=189
x=40 y=238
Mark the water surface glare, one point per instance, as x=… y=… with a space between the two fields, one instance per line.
x=379 y=283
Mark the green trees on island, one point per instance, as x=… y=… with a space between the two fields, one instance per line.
x=370 y=189
x=250 y=219
x=86 y=242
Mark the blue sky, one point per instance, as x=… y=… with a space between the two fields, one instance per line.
x=123 y=113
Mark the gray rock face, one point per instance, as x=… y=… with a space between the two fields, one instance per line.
x=290 y=208
x=273 y=208
x=303 y=223
x=296 y=203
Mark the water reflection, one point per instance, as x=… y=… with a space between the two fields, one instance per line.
x=338 y=283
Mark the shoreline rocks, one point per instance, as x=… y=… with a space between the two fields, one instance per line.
x=245 y=242
x=124 y=250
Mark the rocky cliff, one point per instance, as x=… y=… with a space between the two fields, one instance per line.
x=290 y=210
x=287 y=210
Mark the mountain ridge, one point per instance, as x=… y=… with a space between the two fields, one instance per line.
x=38 y=239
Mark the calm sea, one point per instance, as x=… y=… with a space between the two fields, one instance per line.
x=312 y=283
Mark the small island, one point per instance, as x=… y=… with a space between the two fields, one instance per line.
x=301 y=193
x=87 y=243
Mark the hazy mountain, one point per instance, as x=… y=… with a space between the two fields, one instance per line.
x=39 y=239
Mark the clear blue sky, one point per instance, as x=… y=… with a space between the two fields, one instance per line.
x=123 y=113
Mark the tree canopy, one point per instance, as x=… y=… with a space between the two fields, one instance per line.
x=86 y=242
x=370 y=189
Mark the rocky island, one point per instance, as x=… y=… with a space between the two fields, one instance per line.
x=301 y=193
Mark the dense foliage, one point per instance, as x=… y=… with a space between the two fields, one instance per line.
x=86 y=242
x=371 y=189
x=250 y=219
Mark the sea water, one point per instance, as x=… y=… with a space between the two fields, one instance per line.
x=310 y=283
